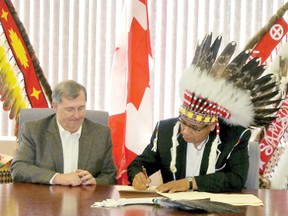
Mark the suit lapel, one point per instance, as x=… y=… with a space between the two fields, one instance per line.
x=181 y=158
x=205 y=159
x=85 y=146
x=53 y=141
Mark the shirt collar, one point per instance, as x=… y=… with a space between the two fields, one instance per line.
x=63 y=131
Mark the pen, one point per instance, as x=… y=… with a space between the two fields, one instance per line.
x=144 y=171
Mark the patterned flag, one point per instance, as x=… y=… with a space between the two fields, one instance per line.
x=270 y=40
x=265 y=49
x=130 y=98
x=271 y=140
x=20 y=70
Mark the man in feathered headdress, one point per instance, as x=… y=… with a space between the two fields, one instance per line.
x=205 y=148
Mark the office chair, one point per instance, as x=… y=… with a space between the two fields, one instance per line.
x=252 y=181
x=26 y=114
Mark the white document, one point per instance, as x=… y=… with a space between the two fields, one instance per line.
x=237 y=199
x=126 y=188
x=233 y=199
x=229 y=198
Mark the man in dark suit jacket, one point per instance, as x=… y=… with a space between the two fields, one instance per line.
x=205 y=148
x=65 y=148
x=231 y=167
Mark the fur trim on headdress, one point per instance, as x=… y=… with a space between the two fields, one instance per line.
x=225 y=94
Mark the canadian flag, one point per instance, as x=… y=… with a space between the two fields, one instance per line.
x=130 y=110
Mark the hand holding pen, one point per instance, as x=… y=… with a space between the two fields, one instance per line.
x=141 y=180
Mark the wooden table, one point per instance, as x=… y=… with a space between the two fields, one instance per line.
x=33 y=199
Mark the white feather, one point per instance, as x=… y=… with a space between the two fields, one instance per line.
x=237 y=102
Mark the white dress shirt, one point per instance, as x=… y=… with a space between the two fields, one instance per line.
x=194 y=157
x=70 y=147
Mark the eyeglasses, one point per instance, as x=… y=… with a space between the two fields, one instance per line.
x=192 y=127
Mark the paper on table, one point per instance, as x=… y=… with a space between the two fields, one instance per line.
x=190 y=195
x=126 y=188
x=234 y=199
x=237 y=199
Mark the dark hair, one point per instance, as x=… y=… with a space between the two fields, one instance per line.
x=69 y=89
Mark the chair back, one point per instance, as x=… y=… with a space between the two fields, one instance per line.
x=252 y=181
x=26 y=114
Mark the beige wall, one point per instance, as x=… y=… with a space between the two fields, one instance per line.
x=8 y=145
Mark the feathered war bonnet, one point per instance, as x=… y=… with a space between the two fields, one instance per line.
x=217 y=87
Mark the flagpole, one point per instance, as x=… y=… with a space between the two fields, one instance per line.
x=255 y=39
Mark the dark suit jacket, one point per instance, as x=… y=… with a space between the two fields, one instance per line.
x=40 y=154
x=231 y=178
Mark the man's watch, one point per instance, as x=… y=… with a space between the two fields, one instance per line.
x=190 y=180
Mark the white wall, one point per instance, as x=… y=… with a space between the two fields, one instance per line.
x=8 y=145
